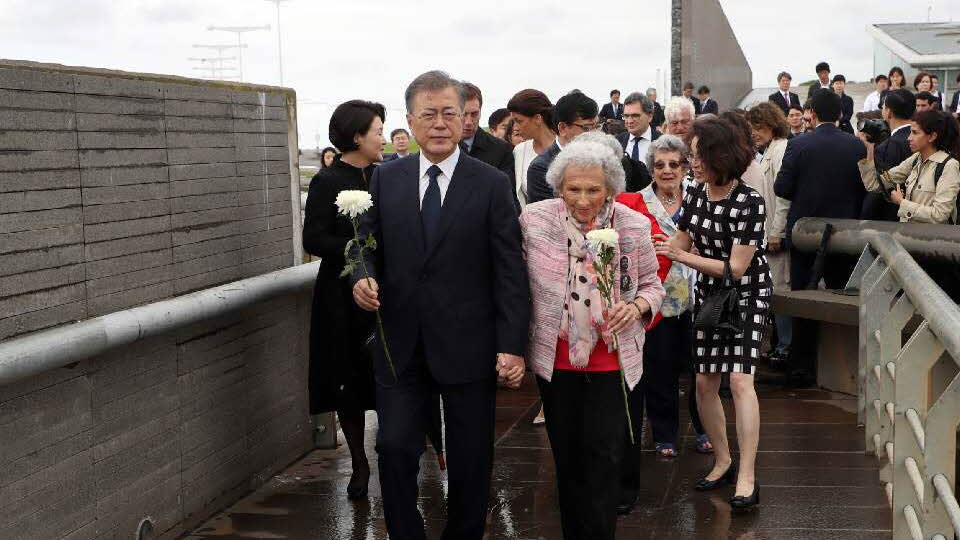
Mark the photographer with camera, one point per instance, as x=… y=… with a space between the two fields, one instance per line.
x=882 y=155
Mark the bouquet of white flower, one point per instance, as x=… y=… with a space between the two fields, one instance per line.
x=352 y=204
x=603 y=243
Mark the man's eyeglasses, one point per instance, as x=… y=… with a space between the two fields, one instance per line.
x=585 y=126
x=449 y=116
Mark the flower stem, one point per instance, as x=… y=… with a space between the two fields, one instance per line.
x=383 y=334
x=623 y=377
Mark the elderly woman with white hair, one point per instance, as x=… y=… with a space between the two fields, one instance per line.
x=571 y=345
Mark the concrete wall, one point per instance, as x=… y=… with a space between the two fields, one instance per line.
x=706 y=51
x=121 y=189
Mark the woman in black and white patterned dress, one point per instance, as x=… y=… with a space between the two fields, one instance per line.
x=723 y=219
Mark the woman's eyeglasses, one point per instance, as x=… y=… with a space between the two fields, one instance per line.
x=660 y=165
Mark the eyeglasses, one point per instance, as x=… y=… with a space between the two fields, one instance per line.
x=585 y=127
x=660 y=165
x=449 y=116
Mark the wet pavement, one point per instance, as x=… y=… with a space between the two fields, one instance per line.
x=816 y=484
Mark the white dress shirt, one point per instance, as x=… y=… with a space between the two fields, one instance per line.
x=446 y=169
x=643 y=141
x=786 y=97
x=872 y=103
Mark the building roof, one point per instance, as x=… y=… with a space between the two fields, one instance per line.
x=921 y=44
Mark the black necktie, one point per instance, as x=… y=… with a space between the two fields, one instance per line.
x=635 y=154
x=430 y=206
x=463 y=148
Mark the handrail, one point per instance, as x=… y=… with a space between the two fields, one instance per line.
x=911 y=433
x=58 y=347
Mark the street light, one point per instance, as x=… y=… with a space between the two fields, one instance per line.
x=279 y=39
x=239 y=31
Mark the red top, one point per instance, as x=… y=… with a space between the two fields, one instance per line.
x=635 y=202
x=600 y=358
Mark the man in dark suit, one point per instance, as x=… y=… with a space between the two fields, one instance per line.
x=455 y=306
x=478 y=143
x=846 y=103
x=955 y=102
x=612 y=110
x=574 y=113
x=658 y=117
x=688 y=93
x=784 y=98
x=898 y=109
x=707 y=105
x=638 y=112
x=401 y=144
x=820 y=177
x=823 y=79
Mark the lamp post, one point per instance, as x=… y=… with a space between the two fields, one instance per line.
x=279 y=38
x=239 y=31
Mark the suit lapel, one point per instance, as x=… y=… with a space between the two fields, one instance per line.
x=458 y=192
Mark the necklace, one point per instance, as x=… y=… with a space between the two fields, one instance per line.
x=726 y=196
x=668 y=202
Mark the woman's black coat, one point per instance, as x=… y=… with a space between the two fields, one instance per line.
x=341 y=375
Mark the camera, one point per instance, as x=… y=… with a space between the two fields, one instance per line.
x=876 y=130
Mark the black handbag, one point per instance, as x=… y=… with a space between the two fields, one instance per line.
x=719 y=312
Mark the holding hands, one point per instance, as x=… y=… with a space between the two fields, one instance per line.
x=510 y=368
x=662 y=244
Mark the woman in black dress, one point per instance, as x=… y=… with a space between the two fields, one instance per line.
x=341 y=373
x=723 y=219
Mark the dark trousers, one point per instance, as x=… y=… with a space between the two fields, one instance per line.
x=469 y=414
x=836 y=272
x=586 y=423
x=666 y=354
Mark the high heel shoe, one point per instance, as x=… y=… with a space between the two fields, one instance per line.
x=357 y=488
x=740 y=502
x=729 y=477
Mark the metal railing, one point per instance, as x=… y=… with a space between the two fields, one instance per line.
x=48 y=349
x=911 y=432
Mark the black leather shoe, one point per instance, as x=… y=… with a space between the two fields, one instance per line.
x=357 y=488
x=627 y=502
x=746 y=503
x=729 y=477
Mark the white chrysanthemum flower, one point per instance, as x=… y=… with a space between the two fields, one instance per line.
x=601 y=238
x=353 y=203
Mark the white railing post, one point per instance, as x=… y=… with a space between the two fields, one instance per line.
x=876 y=300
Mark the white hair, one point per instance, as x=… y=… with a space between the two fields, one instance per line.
x=677 y=105
x=588 y=153
x=665 y=143
x=609 y=141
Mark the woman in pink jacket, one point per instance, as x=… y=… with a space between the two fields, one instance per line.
x=571 y=332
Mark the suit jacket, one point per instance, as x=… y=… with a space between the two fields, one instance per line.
x=545 y=245
x=846 y=113
x=495 y=152
x=537 y=187
x=638 y=175
x=391 y=157
x=696 y=103
x=607 y=111
x=466 y=297
x=777 y=98
x=624 y=137
x=955 y=103
x=658 y=117
x=820 y=177
x=709 y=106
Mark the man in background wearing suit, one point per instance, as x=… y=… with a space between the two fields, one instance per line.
x=612 y=110
x=658 y=116
x=574 y=113
x=821 y=178
x=955 y=102
x=478 y=143
x=688 y=93
x=898 y=109
x=823 y=82
x=455 y=306
x=707 y=105
x=784 y=98
x=638 y=112
x=401 y=143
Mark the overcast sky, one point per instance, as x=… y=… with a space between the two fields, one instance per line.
x=343 y=49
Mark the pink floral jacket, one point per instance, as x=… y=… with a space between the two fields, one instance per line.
x=545 y=245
